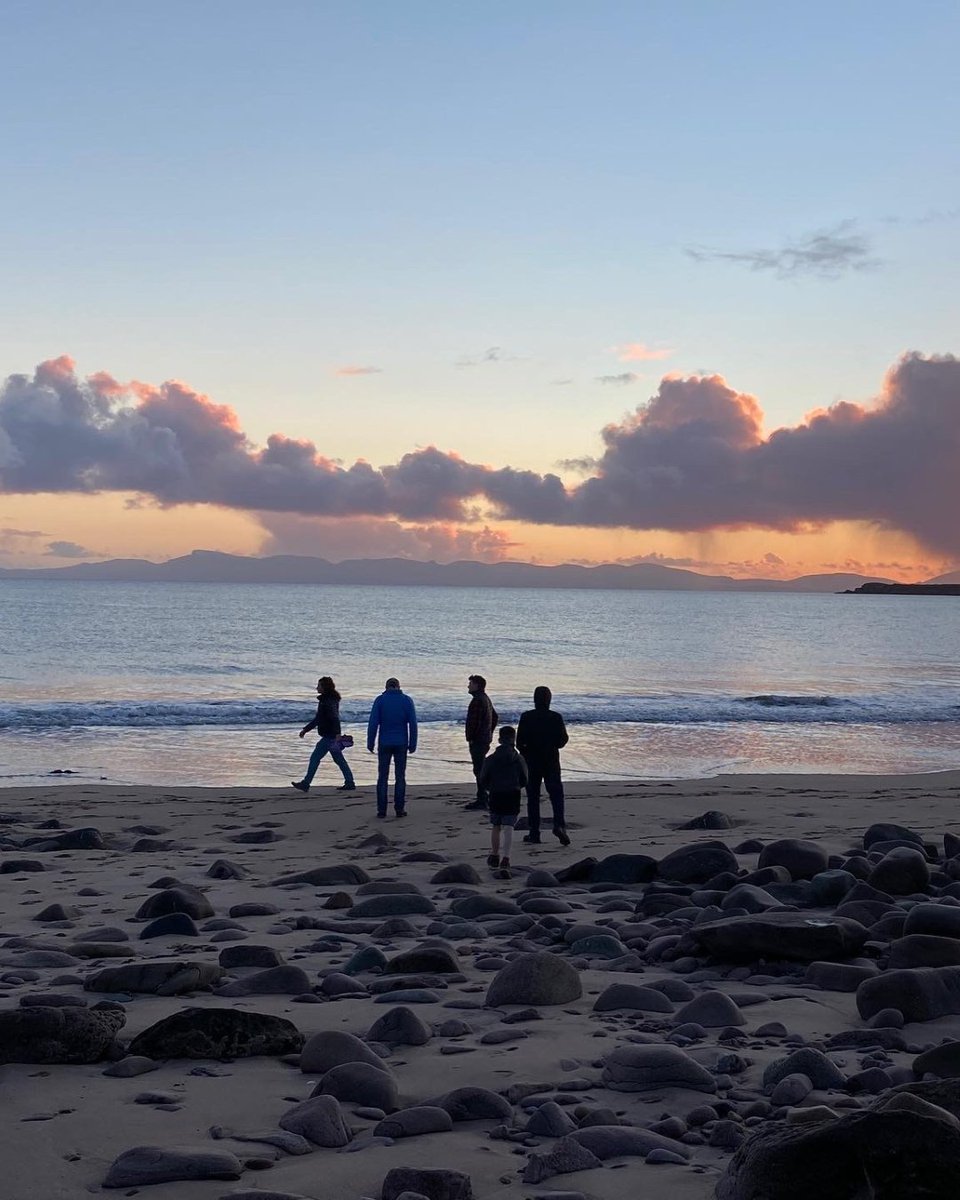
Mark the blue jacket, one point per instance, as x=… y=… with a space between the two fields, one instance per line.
x=394 y=715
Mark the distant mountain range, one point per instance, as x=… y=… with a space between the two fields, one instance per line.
x=210 y=566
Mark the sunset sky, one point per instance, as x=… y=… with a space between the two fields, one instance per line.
x=529 y=279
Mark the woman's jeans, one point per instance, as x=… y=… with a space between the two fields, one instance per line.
x=324 y=746
x=399 y=756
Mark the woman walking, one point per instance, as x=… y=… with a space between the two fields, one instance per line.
x=327 y=725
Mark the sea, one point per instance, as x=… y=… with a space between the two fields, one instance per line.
x=180 y=684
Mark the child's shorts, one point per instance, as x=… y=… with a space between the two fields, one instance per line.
x=503 y=818
x=505 y=807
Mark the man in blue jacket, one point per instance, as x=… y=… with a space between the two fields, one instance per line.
x=394 y=718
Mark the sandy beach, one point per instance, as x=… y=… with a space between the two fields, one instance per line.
x=688 y=1100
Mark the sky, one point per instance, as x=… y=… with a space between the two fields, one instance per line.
x=544 y=280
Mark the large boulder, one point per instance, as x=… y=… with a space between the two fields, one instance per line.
x=181 y=899
x=156 y=978
x=921 y=993
x=59 y=1035
x=797 y=936
x=886 y=1155
x=360 y=1083
x=802 y=859
x=332 y=1048
x=632 y=996
x=624 y=869
x=698 y=862
x=884 y=831
x=534 y=979
x=439 y=1184
x=154 y=1164
x=924 y=950
x=400 y=1027
x=902 y=872
x=324 y=876
x=319 y=1120
x=940 y=920
x=222 y=1033
x=651 y=1068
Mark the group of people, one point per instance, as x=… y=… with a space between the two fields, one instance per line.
x=527 y=758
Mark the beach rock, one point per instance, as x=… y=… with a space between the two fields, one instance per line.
x=130 y=1066
x=750 y=898
x=924 y=950
x=712 y=819
x=238 y=912
x=538 y=979
x=626 y=869
x=942 y=1060
x=577 y=872
x=325 y=876
x=368 y=958
x=16 y=866
x=332 y=1048
x=791 y=1090
x=423 y=960
x=249 y=956
x=156 y=978
x=550 y=1120
x=153 y=1164
x=806 y=1061
x=286 y=980
x=649 y=1068
x=59 y=1035
x=632 y=996
x=181 y=899
x=711 y=1010
x=482 y=905
x=623 y=1141
x=399 y=1027
x=566 y=1157
x=338 y=984
x=319 y=1120
x=476 y=1104
x=411 y=1122
x=883 y=831
x=940 y=920
x=902 y=872
x=839 y=977
x=921 y=993
x=71 y=839
x=884 y=1155
x=431 y=1184
x=361 y=1083
x=698 y=862
x=791 y=935
x=59 y=912
x=802 y=859
x=222 y=1033
x=172 y=925
x=457 y=873
x=392 y=906
x=223 y=868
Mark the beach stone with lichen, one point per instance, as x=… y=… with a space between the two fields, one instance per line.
x=45 y=1034
x=222 y=1033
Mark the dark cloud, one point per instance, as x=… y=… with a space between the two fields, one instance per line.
x=378 y=537
x=624 y=379
x=825 y=254
x=67 y=550
x=694 y=457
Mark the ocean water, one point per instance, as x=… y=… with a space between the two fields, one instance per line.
x=209 y=684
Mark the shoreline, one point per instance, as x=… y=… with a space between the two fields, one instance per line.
x=66 y=1124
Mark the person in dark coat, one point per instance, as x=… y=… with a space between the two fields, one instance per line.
x=327 y=725
x=504 y=773
x=541 y=735
x=481 y=722
x=392 y=727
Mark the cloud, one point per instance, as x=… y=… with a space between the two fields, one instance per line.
x=347 y=372
x=694 y=457
x=28 y=534
x=365 y=537
x=67 y=550
x=493 y=354
x=624 y=379
x=824 y=254
x=639 y=352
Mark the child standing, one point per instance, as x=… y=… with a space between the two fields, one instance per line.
x=503 y=774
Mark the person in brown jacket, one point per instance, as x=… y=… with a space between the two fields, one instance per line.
x=481 y=722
